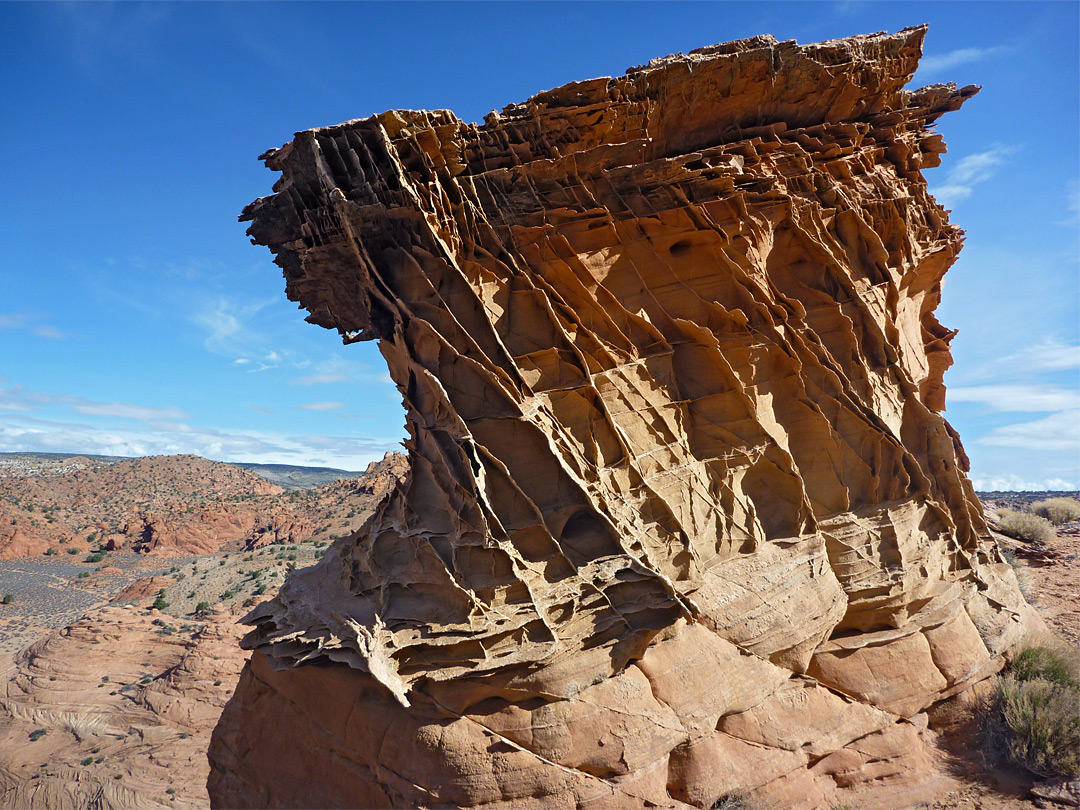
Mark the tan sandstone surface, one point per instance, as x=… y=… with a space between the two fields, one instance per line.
x=126 y=699
x=683 y=518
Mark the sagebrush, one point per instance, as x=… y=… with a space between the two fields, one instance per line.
x=1024 y=526
x=1057 y=510
x=1032 y=717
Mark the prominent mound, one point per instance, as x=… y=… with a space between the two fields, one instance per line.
x=682 y=515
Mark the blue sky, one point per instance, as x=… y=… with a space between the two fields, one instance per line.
x=137 y=319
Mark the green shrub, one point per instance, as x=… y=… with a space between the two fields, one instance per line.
x=259 y=591
x=159 y=602
x=88 y=761
x=37 y=734
x=199 y=608
x=1024 y=526
x=51 y=551
x=84 y=574
x=1032 y=717
x=97 y=556
x=1050 y=661
x=1057 y=510
x=1036 y=725
x=8 y=599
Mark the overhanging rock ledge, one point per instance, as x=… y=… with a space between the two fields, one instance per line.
x=683 y=517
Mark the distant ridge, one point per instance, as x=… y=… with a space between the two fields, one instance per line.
x=289 y=476
x=294 y=477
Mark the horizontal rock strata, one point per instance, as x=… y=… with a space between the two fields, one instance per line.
x=683 y=517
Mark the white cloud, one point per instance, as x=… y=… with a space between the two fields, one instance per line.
x=222 y=327
x=968 y=172
x=24 y=400
x=1058 y=431
x=27 y=433
x=1017 y=483
x=322 y=406
x=1048 y=355
x=231 y=332
x=31 y=322
x=936 y=63
x=337 y=370
x=1017 y=397
x=325 y=378
x=124 y=410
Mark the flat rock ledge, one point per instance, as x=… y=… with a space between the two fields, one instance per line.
x=683 y=518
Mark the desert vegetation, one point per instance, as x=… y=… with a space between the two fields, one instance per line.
x=1057 y=510
x=1032 y=717
x=1034 y=522
x=1024 y=526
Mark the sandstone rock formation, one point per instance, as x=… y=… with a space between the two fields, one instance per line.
x=683 y=517
x=115 y=711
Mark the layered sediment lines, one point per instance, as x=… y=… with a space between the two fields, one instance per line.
x=683 y=517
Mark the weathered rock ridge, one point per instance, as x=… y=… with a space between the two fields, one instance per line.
x=682 y=516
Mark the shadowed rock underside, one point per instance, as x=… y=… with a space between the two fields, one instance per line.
x=682 y=517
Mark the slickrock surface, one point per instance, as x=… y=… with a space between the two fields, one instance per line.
x=683 y=518
x=126 y=699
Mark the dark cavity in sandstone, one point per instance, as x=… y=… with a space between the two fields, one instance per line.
x=683 y=517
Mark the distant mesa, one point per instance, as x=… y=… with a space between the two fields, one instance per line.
x=682 y=517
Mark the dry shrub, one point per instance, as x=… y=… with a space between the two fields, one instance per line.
x=1057 y=510
x=1024 y=526
x=1032 y=716
x=733 y=801
x=1036 y=724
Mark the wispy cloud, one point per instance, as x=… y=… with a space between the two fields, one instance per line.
x=1017 y=397
x=99 y=32
x=125 y=410
x=1058 y=431
x=322 y=406
x=19 y=399
x=324 y=378
x=936 y=63
x=336 y=370
x=968 y=172
x=33 y=323
x=1048 y=355
x=26 y=433
x=231 y=332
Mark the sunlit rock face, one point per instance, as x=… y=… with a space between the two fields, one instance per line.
x=682 y=517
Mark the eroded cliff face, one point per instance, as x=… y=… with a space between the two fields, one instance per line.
x=683 y=517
